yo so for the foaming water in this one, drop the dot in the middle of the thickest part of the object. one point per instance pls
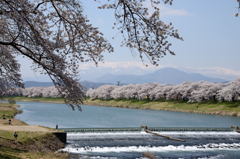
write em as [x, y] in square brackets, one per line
[75, 135]
[136, 144]
[169, 148]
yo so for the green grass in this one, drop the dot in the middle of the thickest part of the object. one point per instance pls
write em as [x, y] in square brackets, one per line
[35, 99]
[22, 136]
[221, 108]
[15, 153]
[31, 145]
[8, 153]
[9, 110]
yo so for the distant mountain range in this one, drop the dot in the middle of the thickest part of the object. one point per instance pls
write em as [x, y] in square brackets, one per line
[164, 76]
[86, 84]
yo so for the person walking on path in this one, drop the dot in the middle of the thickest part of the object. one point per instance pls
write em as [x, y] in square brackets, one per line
[9, 122]
[15, 135]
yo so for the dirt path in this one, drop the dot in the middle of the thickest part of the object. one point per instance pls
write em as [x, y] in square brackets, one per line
[28, 128]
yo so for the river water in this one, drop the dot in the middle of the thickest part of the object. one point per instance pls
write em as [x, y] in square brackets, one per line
[130, 145]
[49, 114]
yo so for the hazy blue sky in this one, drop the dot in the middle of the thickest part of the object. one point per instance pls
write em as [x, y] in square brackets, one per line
[211, 40]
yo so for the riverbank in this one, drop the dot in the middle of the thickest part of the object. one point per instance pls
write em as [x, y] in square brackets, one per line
[35, 99]
[212, 108]
[31, 142]
[224, 108]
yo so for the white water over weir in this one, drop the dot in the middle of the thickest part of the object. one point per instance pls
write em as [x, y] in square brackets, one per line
[129, 129]
[132, 143]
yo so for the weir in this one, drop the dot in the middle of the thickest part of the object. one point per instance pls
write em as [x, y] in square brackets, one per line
[132, 129]
[176, 134]
[162, 142]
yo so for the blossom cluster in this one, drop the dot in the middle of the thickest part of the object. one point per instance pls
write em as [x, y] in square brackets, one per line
[188, 91]
[34, 92]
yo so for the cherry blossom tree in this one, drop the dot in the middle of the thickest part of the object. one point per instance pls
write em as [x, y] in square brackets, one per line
[188, 91]
[202, 91]
[231, 92]
[103, 92]
[125, 92]
[57, 37]
[144, 91]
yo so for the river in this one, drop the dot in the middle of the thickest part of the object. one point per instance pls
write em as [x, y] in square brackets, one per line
[49, 114]
[128, 145]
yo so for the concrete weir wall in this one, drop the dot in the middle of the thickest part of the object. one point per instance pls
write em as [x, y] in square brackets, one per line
[62, 136]
[129, 129]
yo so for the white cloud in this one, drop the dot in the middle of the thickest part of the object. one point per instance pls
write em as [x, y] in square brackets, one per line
[91, 72]
[166, 11]
[220, 72]
[224, 71]
[133, 67]
[118, 65]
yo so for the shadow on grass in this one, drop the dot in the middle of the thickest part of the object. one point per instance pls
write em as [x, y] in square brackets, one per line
[6, 151]
[234, 105]
[5, 156]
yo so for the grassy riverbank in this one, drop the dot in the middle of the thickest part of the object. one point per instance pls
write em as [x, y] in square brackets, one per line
[32, 144]
[223, 108]
[34, 99]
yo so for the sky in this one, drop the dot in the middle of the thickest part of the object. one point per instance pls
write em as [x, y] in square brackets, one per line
[211, 43]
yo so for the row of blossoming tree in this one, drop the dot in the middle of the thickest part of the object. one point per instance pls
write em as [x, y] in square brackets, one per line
[34, 92]
[189, 91]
